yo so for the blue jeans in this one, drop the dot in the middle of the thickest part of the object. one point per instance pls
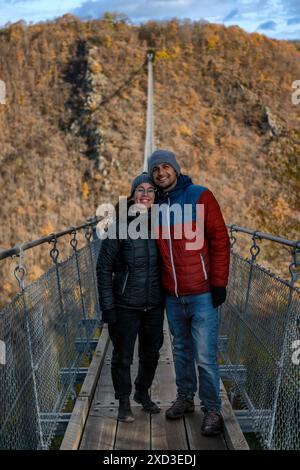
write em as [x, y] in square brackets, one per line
[194, 324]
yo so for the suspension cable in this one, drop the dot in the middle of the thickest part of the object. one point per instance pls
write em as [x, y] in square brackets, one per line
[149, 142]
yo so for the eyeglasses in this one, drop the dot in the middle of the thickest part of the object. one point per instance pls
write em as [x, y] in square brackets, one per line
[143, 191]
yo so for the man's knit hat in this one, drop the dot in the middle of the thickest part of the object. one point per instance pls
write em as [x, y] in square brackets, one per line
[163, 156]
[140, 179]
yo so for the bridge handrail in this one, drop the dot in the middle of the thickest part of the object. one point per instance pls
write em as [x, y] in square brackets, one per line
[264, 236]
[15, 250]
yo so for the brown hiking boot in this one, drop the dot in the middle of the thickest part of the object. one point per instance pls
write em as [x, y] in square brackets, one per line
[212, 423]
[181, 406]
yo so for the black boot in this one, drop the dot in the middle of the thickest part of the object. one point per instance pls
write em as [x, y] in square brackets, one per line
[124, 413]
[142, 397]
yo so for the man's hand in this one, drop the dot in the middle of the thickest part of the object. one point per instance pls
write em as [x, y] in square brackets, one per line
[109, 316]
[218, 295]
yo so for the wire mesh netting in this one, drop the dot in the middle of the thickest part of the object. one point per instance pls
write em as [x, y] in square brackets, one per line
[260, 319]
[40, 328]
[43, 323]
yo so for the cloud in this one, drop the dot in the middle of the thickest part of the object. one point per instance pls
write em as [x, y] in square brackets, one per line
[292, 21]
[251, 15]
[233, 14]
[158, 9]
[268, 25]
[136, 10]
[34, 10]
[291, 7]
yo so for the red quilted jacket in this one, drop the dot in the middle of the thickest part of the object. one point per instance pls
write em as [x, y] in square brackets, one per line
[192, 271]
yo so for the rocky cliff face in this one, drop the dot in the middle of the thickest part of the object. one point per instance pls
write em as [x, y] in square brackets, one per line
[73, 127]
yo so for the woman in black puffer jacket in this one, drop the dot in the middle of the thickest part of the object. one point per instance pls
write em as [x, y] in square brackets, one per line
[132, 303]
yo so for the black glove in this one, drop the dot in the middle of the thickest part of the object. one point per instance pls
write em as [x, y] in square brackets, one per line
[218, 295]
[109, 316]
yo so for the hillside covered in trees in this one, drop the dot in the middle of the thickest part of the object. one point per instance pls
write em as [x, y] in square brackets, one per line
[73, 127]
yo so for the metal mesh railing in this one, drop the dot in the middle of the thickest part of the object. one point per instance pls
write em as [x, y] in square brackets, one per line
[43, 324]
[261, 321]
[40, 327]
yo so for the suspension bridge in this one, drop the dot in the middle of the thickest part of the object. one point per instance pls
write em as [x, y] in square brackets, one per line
[55, 362]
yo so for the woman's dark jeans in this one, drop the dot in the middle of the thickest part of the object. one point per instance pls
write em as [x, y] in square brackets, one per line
[149, 327]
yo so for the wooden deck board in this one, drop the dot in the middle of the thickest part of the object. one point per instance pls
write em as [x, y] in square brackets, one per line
[134, 435]
[233, 435]
[167, 434]
[193, 423]
[102, 431]
[75, 428]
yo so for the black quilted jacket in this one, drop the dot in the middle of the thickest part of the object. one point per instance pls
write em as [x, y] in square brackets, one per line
[128, 274]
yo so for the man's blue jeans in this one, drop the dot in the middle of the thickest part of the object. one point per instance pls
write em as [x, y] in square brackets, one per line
[194, 324]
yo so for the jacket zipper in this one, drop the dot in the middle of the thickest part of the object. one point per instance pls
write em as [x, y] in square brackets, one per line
[171, 252]
[203, 266]
[125, 281]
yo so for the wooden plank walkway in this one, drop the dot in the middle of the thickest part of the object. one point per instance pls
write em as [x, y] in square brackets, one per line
[93, 425]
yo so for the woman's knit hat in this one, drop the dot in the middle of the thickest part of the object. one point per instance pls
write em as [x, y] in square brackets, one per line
[140, 179]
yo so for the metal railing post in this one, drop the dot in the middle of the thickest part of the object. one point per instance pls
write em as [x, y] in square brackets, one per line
[20, 273]
[88, 235]
[73, 244]
[54, 253]
[254, 250]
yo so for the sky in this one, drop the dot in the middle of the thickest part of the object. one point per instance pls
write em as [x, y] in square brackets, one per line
[278, 19]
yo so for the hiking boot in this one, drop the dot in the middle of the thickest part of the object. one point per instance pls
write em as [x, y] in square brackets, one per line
[212, 423]
[124, 413]
[181, 406]
[142, 397]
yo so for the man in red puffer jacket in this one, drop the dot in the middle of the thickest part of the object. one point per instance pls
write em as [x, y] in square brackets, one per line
[194, 274]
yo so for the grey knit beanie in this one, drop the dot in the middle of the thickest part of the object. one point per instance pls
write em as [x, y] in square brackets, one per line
[163, 156]
[140, 179]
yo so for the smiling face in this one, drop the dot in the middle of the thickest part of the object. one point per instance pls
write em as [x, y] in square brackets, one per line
[164, 176]
[144, 194]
